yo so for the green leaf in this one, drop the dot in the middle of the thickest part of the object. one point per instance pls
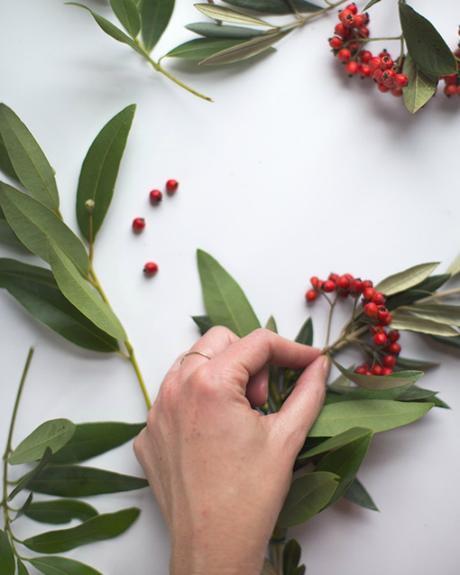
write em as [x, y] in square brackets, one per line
[271, 324]
[275, 6]
[22, 510]
[203, 322]
[375, 414]
[8, 237]
[225, 302]
[425, 45]
[62, 566]
[36, 226]
[28, 161]
[417, 394]
[440, 313]
[52, 435]
[268, 569]
[79, 481]
[449, 341]
[336, 442]
[420, 291]
[92, 439]
[99, 528]
[7, 565]
[5, 163]
[244, 50]
[223, 14]
[58, 511]
[23, 482]
[305, 334]
[454, 268]
[109, 28]
[291, 557]
[156, 15]
[409, 322]
[378, 382]
[128, 15]
[100, 170]
[357, 493]
[416, 364]
[211, 30]
[406, 279]
[370, 4]
[308, 495]
[420, 88]
[201, 48]
[22, 570]
[36, 290]
[345, 462]
[81, 294]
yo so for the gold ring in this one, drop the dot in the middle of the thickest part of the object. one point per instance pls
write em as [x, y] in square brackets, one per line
[194, 353]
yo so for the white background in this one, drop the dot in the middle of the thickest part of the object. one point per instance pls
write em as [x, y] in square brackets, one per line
[293, 171]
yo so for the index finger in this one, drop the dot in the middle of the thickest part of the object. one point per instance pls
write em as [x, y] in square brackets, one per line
[250, 354]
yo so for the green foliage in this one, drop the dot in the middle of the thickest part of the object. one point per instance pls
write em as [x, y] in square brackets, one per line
[51, 435]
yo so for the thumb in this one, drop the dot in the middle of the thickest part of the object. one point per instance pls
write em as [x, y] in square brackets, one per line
[302, 407]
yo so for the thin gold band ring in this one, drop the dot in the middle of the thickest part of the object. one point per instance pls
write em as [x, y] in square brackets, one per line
[194, 353]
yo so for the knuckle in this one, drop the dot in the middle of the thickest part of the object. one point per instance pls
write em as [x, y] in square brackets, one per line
[262, 333]
[138, 445]
[201, 382]
[221, 331]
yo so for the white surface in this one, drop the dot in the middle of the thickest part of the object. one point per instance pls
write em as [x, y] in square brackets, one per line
[293, 171]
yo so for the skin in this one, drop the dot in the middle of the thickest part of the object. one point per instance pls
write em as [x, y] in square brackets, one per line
[219, 469]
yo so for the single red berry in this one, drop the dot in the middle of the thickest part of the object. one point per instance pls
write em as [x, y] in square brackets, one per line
[386, 62]
[394, 348]
[358, 21]
[376, 369]
[356, 286]
[389, 360]
[333, 277]
[335, 42]
[311, 295]
[171, 186]
[367, 283]
[401, 80]
[352, 68]
[450, 90]
[382, 314]
[343, 282]
[398, 92]
[329, 286]
[150, 268]
[451, 79]
[352, 7]
[366, 18]
[316, 282]
[364, 32]
[138, 225]
[378, 298]
[376, 329]
[365, 56]
[377, 75]
[387, 371]
[380, 338]
[371, 310]
[393, 335]
[362, 369]
[368, 293]
[374, 63]
[344, 55]
[340, 30]
[347, 18]
[155, 196]
[354, 47]
[388, 78]
[383, 88]
[386, 320]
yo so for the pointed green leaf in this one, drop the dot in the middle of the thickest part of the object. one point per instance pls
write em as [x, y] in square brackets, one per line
[415, 364]
[271, 324]
[223, 14]
[336, 442]
[79, 481]
[7, 565]
[454, 267]
[370, 4]
[5, 163]
[425, 45]
[8, 237]
[203, 322]
[244, 50]
[440, 313]
[201, 48]
[420, 88]
[308, 495]
[35, 225]
[22, 570]
[92, 439]
[406, 279]
[224, 300]
[305, 334]
[23, 482]
[22, 510]
[291, 558]
[357, 493]
[36, 290]
[109, 28]
[275, 6]
[62, 566]
[418, 394]
[375, 414]
[156, 15]
[27, 160]
[81, 294]
[58, 511]
[52, 435]
[99, 528]
[100, 170]
[449, 341]
[406, 321]
[127, 13]
[374, 382]
[211, 30]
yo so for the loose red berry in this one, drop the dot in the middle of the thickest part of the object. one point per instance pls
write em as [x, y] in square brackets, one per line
[171, 186]
[358, 21]
[138, 225]
[362, 370]
[343, 282]
[387, 371]
[150, 268]
[352, 68]
[365, 56]
[356, 286]
[363, 31]
[380, 338]
[401, 80]
[394, 348]
[376, 369]
[389, 360]
[374, 63]
[315, 282]
[333, 277]
[397, 92]
[450, 90]
[335, 42]
[378, 298]
[354, 46]
[352, 7]
[383, 313]
[367, 283]
[329, 286]
[311, 295]
[340, 30]
[383, 88]
[388, 78]
[386, 62]
[451, 79]
[371, 310]
[155, 196]
[393, 335]
[346, 17]
[368, 293]
[344, 55]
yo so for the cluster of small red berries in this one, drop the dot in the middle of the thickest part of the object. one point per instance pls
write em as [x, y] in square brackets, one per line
[351, 33]
[452, 81]
[384, 341]
[138, 224]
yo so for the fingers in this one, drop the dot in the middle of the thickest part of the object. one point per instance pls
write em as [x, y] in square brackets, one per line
[302, 407]
[257, 388]
[249, 355]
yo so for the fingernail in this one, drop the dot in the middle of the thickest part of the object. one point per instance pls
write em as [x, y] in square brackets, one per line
[325, 365]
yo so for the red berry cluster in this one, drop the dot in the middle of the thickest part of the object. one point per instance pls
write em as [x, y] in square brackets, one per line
[452, 81]
[350, 35]
[138, 224]
[384, 342]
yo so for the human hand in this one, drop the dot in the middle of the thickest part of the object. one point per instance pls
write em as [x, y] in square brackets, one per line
[220, 470]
